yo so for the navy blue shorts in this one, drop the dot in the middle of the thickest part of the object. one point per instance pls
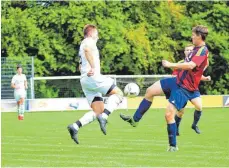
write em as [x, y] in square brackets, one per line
[177, 95]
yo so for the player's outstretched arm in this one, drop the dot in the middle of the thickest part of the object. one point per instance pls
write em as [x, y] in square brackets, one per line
[185, 65]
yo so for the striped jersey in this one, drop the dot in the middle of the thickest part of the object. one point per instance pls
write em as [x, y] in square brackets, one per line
[190, 79]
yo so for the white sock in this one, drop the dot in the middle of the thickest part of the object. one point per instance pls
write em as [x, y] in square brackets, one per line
[20, 109]
[112, 104]
[75, 126]
[104, 115]
[87, 118]
[23, 108]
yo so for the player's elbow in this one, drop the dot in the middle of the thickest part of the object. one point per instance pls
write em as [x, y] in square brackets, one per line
[191, 66]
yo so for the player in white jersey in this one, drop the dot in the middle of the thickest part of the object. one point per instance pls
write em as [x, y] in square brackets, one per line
[19, 83]
[94, 85]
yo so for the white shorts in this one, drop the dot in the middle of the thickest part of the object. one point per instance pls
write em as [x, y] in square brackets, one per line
[19, 94]
[95, 86]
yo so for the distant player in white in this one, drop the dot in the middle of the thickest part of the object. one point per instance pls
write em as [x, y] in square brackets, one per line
[94, 85]
[19, 83]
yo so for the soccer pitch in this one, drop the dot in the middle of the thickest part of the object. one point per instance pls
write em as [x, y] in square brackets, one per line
[42, 140]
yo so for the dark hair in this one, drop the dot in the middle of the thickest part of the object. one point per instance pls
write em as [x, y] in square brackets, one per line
[201, 30]
[88, 28]
[19, 66]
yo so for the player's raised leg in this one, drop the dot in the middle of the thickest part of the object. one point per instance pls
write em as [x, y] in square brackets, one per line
[97, 106]
[153, 90]
[197, 102]
[178, 118]
[113, 101]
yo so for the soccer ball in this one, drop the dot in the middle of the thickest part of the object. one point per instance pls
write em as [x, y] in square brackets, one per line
[131, 90]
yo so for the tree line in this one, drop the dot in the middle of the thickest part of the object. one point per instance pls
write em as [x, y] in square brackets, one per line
[134, 35]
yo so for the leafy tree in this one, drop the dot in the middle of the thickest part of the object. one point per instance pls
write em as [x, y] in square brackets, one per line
[134, 36]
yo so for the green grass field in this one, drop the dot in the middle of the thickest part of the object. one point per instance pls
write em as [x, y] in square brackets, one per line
[43, 140]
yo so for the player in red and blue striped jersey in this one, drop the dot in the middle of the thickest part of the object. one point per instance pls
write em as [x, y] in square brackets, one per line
[198, 106]
[181, 89]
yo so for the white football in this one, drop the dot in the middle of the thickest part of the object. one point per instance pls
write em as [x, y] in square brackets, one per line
[131, 90]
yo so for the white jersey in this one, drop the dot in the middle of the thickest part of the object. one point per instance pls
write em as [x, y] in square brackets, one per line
[85, 65]
[19, 82]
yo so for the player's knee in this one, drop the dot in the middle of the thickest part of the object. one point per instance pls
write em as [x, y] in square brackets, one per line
[117, 91]
[169, 116]
[97, 112]
[20, 102]
[149, 93]
[98, 107]
[154, 90]
[180, 114]
[120, 92]
[198, 108]
[170, 112]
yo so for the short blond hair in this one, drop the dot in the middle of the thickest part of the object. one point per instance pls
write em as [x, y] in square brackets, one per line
[88, 28]
[189, 45]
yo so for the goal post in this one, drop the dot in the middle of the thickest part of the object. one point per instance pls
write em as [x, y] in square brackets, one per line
[69, 86]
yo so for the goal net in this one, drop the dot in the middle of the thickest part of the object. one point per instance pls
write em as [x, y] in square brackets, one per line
[8, 70]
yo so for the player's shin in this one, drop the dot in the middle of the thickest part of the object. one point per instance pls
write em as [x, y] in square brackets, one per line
[86, 119]
[178, 117]
[143, 107]
[113, 102]
[23, 108]
[197, 115]
[20, 110]
[172, 128]
[178, 120]
[171, 124]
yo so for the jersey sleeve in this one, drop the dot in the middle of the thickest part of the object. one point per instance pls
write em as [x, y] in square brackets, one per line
[175, 72]
[200, 56]
[89, 43]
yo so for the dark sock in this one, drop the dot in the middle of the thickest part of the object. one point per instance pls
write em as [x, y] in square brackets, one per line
[172, 128]
[78, 123]
[178, 120]
[143, 107]
[107, 112]
[197, 115]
